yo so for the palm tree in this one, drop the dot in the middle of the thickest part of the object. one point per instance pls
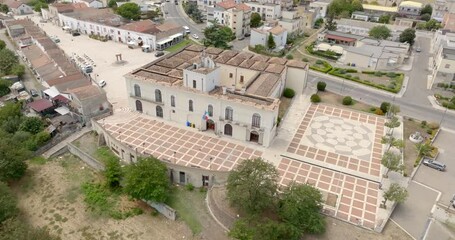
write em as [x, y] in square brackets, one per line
[424, 149]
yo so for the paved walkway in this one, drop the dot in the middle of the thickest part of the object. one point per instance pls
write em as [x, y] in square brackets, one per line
[63, 143]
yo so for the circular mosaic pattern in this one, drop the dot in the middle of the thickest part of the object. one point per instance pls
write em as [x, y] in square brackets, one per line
[339, 135]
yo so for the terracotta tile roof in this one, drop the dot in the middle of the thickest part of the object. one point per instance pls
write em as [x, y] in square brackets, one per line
[13, 4]
[242, 7]
[86, 92]
[296, 64]
[277, 30]
[277, 60]
[228, 4]
[263, 84]
[40, 105]
[145, 26]
[274, 68]
[60, 98]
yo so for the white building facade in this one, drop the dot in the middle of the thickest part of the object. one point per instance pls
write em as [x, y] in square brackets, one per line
[321, 7]
[233, 15]
[268, 11]
[443, 61]
[260, 36]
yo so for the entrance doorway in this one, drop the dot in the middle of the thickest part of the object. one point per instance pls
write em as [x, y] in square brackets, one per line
[210, 125]
[138, 106]
[182, 177]
[254, 136]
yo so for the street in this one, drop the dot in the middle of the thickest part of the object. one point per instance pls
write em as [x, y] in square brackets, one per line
[175, 14]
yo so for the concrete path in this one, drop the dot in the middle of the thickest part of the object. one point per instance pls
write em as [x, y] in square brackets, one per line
[63, 143]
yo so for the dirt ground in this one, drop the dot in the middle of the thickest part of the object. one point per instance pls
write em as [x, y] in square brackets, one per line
[50, 196]
[335, 99]
[410, 150]
[337, 229]
[285, 103]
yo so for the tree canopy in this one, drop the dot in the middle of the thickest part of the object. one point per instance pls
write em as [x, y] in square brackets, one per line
[147, 179]
[392, 162]
[271, 42]
[395, 193]
[380, 32]
[193, 11]
[256, 20]
[344, 8]
[430, 25]
[427, 9]
[129, 10]
[330, 24]
[408, 35]
[218, 36]
[2, 44]
[7, 203]
[252, 185]
[384, 19]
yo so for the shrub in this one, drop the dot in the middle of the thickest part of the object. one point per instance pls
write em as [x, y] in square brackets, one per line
[305, 60]
[321, 86]
[378, 74]
[315, 98]
[350, 70]
[288, 93]
[341, 71]
[319, 62]
[347, 100]
[433, 125]
[423, 124]
[391, 74]
[384, 106]
[378, 112]
[290, 57]
[189, 187]
[429, 131]
[372, 109]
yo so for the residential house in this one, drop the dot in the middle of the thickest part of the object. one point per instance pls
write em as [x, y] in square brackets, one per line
[260, 36]
[443, 60]
[320, 7]
[42, 106]
[52, 13]
[234, 15]
[362, 28]
[18, 7]
[308, 18]
[448, 22]
[89, 101]
[228, 93]
[268, 11]
[405, 22]
[335, 37]
[292, 22]
[379, 9]
[410, 8]
[441, 7]
[285, 4]
[65, 83]
[376, 54]
[91, 3]
[366, 16]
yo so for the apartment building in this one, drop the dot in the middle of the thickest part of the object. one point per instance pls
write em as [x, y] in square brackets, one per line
[236, 16]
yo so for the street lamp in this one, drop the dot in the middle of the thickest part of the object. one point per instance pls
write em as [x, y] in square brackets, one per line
[443, 116]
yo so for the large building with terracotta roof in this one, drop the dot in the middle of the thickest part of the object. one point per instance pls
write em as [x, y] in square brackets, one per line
[234, 15]
[232, 94]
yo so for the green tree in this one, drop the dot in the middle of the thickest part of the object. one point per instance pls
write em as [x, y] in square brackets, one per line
[252, 185]
[4, 8]
[392, 162]
[256, 20]
[385, 107]
[380, 32]
[147, 179]
[408, 35]
[41, 138]
[393, 123]
[300, 206]
[11, 125]
[129, 10]
[242, 230]
[427, 9]
[4, 87]
[384, 19]
[321, 86]
[432, 24]
[113, 172]
[392, 142]
[2, 44]
[12, 158]
[425, 17]
[32, 125]
[112, 4]
[7, 203]
[315, 98]
[7, 61]
[395, 193]
[330, 24]
[271, 42]
[347, 101]
[18, 69]
[318, 23]
[424, 149]
[10, 110]
[218, 36]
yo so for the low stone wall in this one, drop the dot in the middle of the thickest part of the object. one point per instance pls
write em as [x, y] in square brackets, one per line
[95, 164]
[444, 214]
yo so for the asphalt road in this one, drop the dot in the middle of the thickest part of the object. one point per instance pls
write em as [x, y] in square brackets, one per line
[414, 103]
[175, 14]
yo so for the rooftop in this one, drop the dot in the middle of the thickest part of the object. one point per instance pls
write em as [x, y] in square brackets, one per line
[103, 16]
[228, 4]
[411, 4]
[367, 7]
[40, 105]
[86, 92]
[274, 30]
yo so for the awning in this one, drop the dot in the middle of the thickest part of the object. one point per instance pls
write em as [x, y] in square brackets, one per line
[169, 39]
[66, 28]
[131, 43]
[145, 46]
[62, 110]
[51, 92]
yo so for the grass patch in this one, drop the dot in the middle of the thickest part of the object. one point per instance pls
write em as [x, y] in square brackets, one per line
[38, 160]
[180, 45]
[185, 209]
[104, 154]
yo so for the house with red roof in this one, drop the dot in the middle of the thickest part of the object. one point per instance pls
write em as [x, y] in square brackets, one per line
[232, 14]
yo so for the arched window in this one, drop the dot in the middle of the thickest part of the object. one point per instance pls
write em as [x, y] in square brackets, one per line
[158, 95]
[159, 111]
[256, 120]
[229, 113]
[137, 90]
[210, 110]
[138, 106]
[190, 105]
[172, 101]
[228, 129]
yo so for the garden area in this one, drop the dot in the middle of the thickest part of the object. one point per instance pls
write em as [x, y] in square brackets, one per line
[180, 45]
[447, 102]
[328, 54]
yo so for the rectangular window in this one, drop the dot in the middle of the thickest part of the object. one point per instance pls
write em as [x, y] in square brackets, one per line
[231, 75]
[194, 83]
[241, 79]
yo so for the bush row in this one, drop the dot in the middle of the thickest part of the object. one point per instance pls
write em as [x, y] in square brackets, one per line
[394, 87]
[321, 53]
[321, 66]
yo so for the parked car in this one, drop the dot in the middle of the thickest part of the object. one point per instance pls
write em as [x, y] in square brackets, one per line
[75, 33]
[434, 164]
[418, 49]
[159, 54]
[34, 93]
[241, 38]
[102, 83]
[55, 39]
[195, 36]
[247, 34]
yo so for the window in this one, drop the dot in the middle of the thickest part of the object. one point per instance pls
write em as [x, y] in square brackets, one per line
[256, 120]
[190, 105]
[231, 75]
[159, 111]
[228, 130]
[137, 90]
[194, 83]
[172, 101]
[229, 113]
[210, 110]
[157, 95]
[138, 106]
[241, 79]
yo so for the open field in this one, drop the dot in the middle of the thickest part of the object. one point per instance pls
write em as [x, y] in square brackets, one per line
[50, 196]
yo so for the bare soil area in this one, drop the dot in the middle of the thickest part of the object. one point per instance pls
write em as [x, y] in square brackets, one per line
[337, 229]
[50, 196]
[410, 151]
[335, 99]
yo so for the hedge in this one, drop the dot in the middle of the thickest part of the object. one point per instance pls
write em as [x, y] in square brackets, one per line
[327, 67]
[321, 53]
[394, 88]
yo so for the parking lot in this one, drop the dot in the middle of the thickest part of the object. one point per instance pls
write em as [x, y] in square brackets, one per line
[103, 55]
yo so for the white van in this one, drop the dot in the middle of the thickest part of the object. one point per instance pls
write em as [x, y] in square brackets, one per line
[187, 29]
[102, 83]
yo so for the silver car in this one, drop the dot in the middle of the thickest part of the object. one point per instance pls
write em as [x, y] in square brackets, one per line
[434, 164]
